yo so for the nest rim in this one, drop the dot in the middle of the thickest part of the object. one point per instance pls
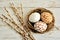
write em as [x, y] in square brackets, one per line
[40, 10]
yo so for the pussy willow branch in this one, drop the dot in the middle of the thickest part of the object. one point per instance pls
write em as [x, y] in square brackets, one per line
[27, 29]
[21, 21]
[22, 30]
[16, 13]
[5, 19]
[21, 11]
[8, 14]
[15, 27]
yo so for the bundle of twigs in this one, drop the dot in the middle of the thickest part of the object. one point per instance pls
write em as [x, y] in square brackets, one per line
[21, 29]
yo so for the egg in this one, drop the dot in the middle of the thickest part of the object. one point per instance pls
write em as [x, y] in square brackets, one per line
[34, 17]
[40, 26]
[46, 17]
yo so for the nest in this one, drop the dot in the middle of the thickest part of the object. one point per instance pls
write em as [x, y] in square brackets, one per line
[40, 10]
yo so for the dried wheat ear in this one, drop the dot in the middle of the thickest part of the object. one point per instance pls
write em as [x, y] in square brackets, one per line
[46, 16]
[22, 29]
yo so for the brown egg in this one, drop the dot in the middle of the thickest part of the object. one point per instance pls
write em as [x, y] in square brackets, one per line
[40, 26]
[46, 17]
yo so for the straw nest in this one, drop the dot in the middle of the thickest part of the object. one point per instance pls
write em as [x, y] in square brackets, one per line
[40, 10]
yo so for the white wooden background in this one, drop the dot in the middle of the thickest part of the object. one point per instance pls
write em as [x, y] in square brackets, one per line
[6, 33]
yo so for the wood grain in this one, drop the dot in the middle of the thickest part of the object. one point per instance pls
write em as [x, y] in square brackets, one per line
[6, 33]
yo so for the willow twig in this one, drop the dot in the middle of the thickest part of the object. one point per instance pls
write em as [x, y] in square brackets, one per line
[16, 13]
[26, 27]
[8, 14]
[22, 23]
[5, 19]
[21, 11]
[25, 34]
[25, 38]
[16, 28]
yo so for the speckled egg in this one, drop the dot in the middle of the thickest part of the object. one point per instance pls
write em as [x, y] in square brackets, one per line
[34, 17]
[40, 26]
[46, 17]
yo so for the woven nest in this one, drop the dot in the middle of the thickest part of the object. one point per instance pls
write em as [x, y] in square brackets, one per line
[40, 10]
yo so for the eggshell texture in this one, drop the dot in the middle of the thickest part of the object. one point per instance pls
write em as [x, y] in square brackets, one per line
[40, 26]
[46, 17]
[34, 17]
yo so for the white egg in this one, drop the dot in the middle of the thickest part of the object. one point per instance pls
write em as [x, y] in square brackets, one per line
[34, 17]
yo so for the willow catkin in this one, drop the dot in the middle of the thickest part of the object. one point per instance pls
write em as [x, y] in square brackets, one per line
[30, 36]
